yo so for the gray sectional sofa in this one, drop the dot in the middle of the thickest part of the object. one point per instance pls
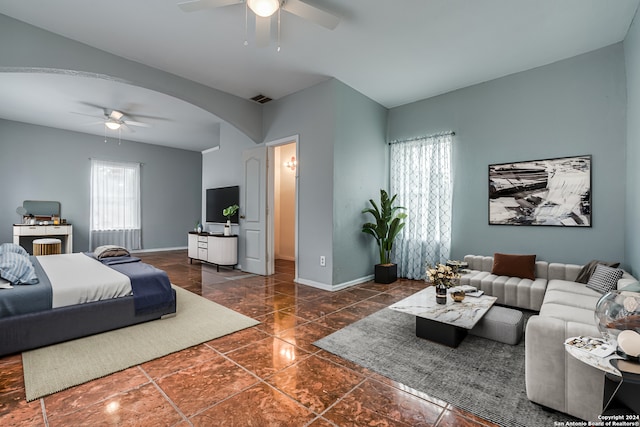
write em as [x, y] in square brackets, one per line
[566, 308]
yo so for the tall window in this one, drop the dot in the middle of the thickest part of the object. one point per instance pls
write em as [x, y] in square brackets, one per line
[421, 177]
[115, 204]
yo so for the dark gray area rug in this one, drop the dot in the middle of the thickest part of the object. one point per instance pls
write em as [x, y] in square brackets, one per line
[481, 376]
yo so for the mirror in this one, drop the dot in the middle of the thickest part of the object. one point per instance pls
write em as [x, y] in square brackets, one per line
[41, 208]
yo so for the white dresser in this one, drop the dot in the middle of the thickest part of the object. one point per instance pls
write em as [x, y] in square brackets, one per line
[213, 248]
[22, 232]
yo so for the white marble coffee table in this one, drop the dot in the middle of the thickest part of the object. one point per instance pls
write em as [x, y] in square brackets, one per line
[448, 323]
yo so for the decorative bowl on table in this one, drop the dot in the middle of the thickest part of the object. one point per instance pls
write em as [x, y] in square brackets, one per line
[457, 296]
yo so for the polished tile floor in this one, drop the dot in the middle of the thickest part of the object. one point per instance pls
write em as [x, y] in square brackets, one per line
[268, 375]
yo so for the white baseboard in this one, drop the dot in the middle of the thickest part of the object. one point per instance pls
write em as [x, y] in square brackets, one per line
[337, 287]
[354, 282]
[159, 249]
[318, 285]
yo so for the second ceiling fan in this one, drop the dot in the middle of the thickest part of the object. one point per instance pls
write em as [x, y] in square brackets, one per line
[265, 9]
[114, 119]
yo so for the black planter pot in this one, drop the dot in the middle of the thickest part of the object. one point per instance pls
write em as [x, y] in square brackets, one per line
[386, 273]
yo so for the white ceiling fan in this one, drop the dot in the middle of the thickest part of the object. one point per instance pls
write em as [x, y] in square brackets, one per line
[114, 120]
[265, 9]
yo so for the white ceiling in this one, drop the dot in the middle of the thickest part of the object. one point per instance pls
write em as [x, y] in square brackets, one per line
[394, 52]
[73, 101]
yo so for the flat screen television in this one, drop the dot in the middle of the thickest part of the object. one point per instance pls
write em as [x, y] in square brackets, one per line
[220, 198]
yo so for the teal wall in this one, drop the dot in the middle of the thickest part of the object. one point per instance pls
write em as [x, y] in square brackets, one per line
[310, 114]
[341, 157]
[632, 202]
[572, 107]
[42, 163]
[359, 172]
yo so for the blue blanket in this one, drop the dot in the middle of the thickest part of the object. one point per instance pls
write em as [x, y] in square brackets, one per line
[151, 286]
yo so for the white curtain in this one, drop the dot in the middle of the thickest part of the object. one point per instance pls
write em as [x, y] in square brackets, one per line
[421, 177]
[115, 204]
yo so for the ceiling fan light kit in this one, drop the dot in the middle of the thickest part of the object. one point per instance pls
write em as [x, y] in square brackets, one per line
[112, 124]
[263, 8]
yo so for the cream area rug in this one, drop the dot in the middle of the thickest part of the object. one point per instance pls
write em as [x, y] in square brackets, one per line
[57, 367]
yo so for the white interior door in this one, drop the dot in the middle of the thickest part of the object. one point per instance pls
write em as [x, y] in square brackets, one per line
[253, 210]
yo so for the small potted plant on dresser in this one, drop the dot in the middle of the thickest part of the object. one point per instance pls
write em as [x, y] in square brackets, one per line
[228, 212]
[388, 223]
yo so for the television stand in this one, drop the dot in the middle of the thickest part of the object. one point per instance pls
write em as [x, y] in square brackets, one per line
[216, 249]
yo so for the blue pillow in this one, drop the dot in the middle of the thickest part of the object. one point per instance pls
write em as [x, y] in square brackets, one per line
[12, 247]
[17, 269]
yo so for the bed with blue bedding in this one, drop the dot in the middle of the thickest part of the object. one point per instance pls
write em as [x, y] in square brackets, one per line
[76, 295]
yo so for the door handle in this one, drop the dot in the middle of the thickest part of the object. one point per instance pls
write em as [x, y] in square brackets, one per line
[242, 217]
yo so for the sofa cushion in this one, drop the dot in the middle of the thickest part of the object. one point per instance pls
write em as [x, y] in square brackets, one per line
[571, 288]
[569, 314]
[522, 266]
[604, 279]
[572, 300]
[563, 271]
[585, 274]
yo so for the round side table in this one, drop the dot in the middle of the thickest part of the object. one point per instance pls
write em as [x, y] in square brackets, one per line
[621, 381]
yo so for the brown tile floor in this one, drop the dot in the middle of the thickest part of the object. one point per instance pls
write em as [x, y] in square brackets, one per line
[268, 375]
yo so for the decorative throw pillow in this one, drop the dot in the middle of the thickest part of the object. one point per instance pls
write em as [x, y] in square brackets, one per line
[17, 269]
[12, 247]
[604, 279]
[523, 266]
[585, 274]
[110, 251]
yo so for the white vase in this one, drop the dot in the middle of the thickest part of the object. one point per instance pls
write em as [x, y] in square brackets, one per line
[227, 228]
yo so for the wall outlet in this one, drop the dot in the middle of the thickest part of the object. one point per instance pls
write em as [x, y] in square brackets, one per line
[323, 261]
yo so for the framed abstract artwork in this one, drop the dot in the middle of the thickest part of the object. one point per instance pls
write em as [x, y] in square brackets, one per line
[552, 192]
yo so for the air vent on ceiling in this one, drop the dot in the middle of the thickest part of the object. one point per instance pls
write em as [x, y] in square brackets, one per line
[261, 99]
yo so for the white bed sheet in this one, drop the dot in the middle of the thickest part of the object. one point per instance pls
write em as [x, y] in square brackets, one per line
[77, 279]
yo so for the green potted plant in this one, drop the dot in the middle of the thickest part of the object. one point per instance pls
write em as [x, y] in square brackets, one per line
[228, 212]
[387, 225]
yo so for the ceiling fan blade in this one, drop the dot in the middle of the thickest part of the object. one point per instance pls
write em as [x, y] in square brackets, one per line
[101, 122]
[87, 115]
[263, 31]
[195, 5]
[311, 13]
[89, 104]
[124, 125]
[139, 124]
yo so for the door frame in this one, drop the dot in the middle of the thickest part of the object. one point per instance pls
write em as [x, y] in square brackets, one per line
[271, 145]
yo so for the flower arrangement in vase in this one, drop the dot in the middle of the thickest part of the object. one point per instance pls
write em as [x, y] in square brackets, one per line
[442, 277]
